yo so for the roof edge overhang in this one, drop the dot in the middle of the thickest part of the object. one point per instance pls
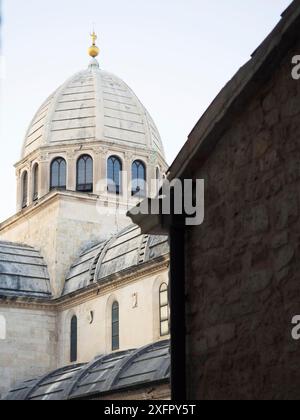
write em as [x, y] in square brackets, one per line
[156, 224]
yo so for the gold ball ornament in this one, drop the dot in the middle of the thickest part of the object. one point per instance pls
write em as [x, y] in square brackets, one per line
[94, 51]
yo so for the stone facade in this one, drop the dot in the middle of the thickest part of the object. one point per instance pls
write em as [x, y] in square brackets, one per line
[29, 348]
[139, 318]
[242, 276]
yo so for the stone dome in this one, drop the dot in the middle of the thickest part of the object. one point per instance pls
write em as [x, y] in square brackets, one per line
[93, 105]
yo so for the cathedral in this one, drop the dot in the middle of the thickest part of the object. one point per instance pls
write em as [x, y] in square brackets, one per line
[84, 307]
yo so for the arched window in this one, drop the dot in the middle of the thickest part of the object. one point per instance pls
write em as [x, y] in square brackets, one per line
[114, 179]
[58, 174]
[2, 328]
[35, 182]
[158, 180]
[25, 190]
[73, 340]
[115, 326]
[85, 174]
[138, 179]
[164, 310]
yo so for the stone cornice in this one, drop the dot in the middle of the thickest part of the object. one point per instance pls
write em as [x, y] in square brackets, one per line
[51, 197]
[92, 145]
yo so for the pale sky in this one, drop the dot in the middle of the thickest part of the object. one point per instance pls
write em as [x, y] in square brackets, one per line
[175, 54]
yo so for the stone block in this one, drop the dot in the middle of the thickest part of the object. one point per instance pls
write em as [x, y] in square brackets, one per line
[259, 281]
[260, 219]
[219, 335]
[286, 211]
[280, 239]
[284, 257]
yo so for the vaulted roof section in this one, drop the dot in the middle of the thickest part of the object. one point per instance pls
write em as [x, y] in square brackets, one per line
[108, 374]
[23, 272]
[126, 251]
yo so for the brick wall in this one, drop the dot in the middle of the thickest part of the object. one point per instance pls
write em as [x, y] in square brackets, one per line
[243, 276]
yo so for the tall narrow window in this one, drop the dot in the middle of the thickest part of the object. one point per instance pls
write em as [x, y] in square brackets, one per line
[85, 174]
[25, 190]
[138, 179]
[115, 326]
[73, 340]
[158, 180]
[114, 181]
[58, 176]
[35, 182]
[164, 310]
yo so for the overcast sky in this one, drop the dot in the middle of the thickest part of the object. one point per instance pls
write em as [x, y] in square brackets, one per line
[175, 54]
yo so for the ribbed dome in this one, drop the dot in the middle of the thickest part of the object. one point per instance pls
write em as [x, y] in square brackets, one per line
[93, 105]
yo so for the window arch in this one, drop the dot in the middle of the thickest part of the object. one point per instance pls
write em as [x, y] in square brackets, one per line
[35, 173]
[114, 178]
[24, 189]
[164, 310]
[2, 327]
[58, 176]
[73, 339]
[138, 179]
[115, 321]
[85, 174]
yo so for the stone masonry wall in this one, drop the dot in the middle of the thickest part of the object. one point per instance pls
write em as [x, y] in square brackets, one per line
[29, 348]
[243, 278]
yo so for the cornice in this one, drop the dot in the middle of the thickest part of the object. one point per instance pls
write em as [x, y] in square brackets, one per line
[105, 147]
[49, 198]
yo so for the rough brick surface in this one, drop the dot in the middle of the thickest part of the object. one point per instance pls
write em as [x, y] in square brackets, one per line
[244, 262]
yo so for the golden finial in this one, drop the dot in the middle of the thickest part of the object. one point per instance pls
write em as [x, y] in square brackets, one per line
[94, 51]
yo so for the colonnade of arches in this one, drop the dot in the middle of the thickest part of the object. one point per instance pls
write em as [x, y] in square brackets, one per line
[85, 177]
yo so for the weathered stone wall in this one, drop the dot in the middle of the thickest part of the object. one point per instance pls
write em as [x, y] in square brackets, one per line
[244, 261]
[29, 347]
